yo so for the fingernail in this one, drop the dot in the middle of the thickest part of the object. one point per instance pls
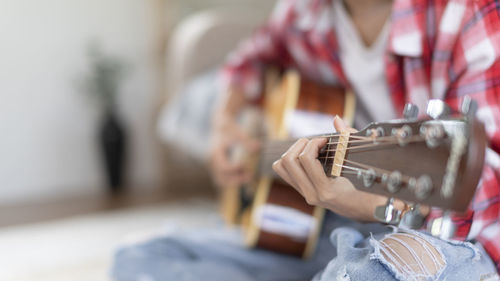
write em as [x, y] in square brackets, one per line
[339, 123]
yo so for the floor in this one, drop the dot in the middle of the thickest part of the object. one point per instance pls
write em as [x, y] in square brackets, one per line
[80, 248]
[59, 208]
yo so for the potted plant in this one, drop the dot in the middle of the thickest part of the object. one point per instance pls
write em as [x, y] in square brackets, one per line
[103, 83]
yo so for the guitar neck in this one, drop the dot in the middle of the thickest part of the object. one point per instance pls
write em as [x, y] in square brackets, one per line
[273, 149]
[424, 161]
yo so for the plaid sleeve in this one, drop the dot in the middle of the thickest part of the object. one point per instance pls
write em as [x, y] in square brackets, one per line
[243, 67]
[475, 71]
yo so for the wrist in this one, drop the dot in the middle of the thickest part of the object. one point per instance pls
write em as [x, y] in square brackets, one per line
[231, 102]
[399, 213]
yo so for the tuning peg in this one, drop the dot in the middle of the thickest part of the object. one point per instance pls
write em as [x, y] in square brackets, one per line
[442, 227]
[410, 111]
[469, 107]
[448, 228]
[388, 213]
[413, 218]
[438, 109]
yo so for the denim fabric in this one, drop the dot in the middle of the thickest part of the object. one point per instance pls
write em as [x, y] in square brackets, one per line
[219, 255]
[359, 258]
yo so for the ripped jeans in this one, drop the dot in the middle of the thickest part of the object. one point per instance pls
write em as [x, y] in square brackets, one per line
[346, 251]
[405, 255]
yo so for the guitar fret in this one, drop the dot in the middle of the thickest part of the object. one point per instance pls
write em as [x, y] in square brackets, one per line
[327, 148]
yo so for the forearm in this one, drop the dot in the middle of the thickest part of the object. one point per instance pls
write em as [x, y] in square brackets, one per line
[363, 206]
[229, 105]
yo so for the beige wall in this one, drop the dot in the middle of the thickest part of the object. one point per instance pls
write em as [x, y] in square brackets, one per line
[177, 9]
[47, 144]
[48, 126]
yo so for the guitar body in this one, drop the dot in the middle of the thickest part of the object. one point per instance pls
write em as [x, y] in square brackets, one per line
[384, 158]
[279, 219]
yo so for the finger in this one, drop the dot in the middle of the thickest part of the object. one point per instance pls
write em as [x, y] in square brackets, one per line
[230, 168]
[224, 172]
[222, 161]
[241, 136]
[246, 176]
[280, 170]
[309, 161]
[340, 125]
[229, 179]
[294, 168]
[252, 144]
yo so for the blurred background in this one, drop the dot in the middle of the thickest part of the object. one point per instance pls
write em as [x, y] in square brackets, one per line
[104, 120]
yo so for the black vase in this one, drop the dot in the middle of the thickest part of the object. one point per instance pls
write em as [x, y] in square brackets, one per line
[112, 141]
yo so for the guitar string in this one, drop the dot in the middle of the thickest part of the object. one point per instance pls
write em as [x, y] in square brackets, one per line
[349, 173]
[358, 138]
[404, 178]
[355, 149]
[368, 139]
[288, 143]
[335, 135]
[269, 149]
[364, 168]
[326, 158]
[280, 148]
[278, 142]
[360, 148]
[410, 140]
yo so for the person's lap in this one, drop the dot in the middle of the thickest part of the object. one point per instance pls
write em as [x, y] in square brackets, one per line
[211, 255]
[349, 253]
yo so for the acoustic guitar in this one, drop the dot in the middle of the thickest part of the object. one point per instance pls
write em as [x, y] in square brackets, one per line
[259, 206]
[435, 160]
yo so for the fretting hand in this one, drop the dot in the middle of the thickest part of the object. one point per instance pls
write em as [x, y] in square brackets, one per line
[300, 168]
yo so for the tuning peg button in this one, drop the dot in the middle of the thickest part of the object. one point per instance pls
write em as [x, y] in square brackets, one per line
[410, 111]
[369, 176]
[413, 218]
[442, 227]
[395, 182]
[438, 109]
[469, 107]
[388, 213]
[423, 187]
[434, 134]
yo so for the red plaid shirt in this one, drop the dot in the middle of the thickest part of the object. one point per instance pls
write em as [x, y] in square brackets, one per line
[437, 49]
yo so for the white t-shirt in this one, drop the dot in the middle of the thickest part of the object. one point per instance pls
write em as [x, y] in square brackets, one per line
[364, 68]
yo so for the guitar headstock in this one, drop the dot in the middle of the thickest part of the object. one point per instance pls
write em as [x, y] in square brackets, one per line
[436, 160]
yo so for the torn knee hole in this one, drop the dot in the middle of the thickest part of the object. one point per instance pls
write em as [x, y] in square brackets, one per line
[411, 255]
